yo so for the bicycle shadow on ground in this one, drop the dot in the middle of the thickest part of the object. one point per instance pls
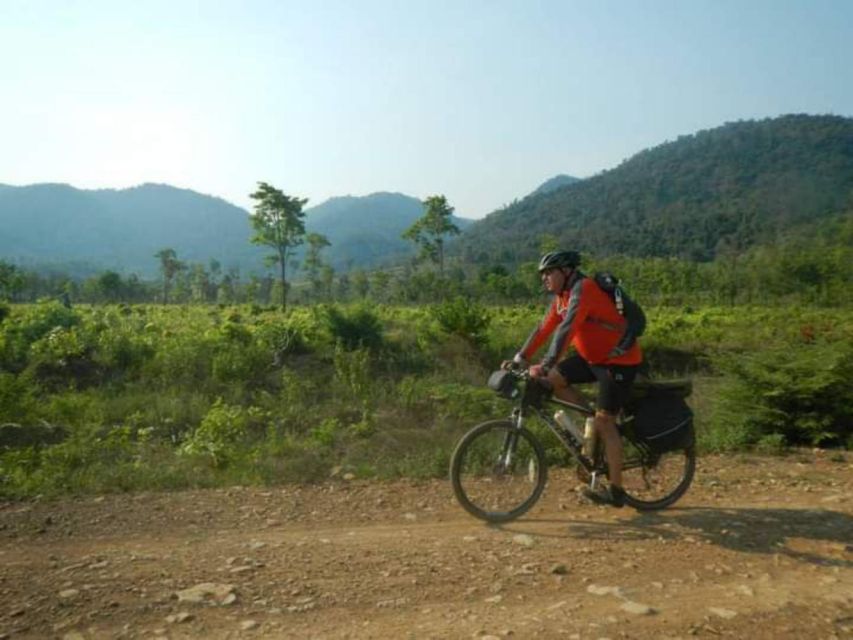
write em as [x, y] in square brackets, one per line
[745, 530]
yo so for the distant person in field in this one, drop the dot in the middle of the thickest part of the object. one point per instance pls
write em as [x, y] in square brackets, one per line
[584, 316]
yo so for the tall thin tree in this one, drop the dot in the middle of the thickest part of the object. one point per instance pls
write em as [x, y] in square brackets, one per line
[429, 230]
[170, 266]
[313, 262]
[279, 223]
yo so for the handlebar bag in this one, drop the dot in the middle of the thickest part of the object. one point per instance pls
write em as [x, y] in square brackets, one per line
[504, 383]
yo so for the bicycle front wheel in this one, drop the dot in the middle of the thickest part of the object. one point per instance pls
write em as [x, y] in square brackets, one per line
[498, 471]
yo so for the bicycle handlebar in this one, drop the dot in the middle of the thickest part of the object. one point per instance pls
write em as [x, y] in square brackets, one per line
[522, 373]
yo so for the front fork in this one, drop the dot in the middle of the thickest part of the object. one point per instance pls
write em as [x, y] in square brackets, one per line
[510, 440]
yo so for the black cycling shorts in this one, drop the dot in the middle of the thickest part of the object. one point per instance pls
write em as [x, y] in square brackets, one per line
[614, 381]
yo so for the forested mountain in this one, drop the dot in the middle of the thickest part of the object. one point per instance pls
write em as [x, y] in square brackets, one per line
[558, 181]
[365, 231]
[83, 231]
[726, 188]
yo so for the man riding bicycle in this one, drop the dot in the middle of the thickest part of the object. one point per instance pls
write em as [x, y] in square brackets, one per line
[585, 317]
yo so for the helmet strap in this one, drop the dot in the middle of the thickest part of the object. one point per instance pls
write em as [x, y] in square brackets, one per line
[571, 278]
[567, 272]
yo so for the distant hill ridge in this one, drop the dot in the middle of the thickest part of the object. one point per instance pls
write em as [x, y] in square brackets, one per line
[84, 231]
[557, 182]
[729, 187]
[722, 189]
[121, 229]
[365, 231]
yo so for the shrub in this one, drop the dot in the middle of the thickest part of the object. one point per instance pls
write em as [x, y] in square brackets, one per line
[801, 393]
[236, 333]
[181, 360]
[30, 326]
[222, 432]
[63, 356]
[17, 398]
[772, 444]
[282, 338]
[123, 351]
[39, 319]
[354, 329]
[240, 364]
[352, 370]
[326, 432]
[463, 318]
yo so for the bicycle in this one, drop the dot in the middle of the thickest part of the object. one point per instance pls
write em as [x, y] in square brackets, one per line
[498, 469]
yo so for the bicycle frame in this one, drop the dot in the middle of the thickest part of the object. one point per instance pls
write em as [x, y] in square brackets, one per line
[543, 407]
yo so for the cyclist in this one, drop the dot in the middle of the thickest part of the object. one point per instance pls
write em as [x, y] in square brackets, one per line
[584, 316]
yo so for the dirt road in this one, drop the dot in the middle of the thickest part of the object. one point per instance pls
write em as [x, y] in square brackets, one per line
[759, 548]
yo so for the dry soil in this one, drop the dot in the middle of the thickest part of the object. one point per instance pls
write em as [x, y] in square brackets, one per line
[758, 548]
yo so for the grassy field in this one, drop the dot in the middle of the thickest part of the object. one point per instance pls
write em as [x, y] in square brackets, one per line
[146, 397]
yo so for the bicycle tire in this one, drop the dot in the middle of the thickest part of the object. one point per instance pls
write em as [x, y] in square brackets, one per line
[481, 484]
[673, 470]
[659, 479]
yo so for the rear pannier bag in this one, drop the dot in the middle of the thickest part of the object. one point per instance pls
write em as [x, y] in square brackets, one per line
[663, 421]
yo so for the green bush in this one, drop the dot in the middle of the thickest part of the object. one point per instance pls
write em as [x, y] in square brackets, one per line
[238, 364]
[18, 399]
[182, 360]
[283, 337]
[800, 392]
[463, 318]
[326, 432]
[32, 324]
[772, 444]
[224, 432]
[355, 328]
[41, 318]
[353, 372]
[123, 351]
[63, 356]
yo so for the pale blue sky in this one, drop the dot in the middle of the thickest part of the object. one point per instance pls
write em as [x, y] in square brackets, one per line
[481, 101]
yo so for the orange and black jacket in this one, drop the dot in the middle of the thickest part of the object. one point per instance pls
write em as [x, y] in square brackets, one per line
[585, 317]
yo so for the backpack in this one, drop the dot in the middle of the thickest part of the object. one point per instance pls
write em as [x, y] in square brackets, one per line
[635, 317]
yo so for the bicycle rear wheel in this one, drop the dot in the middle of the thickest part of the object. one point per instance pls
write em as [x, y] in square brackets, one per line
[656, 480]
[498, 471]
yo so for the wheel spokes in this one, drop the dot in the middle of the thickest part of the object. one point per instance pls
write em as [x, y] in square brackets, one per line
[509, 481]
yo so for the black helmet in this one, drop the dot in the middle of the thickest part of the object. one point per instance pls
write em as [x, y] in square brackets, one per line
[559, 260]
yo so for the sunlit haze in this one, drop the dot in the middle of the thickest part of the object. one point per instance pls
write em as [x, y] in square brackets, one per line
[480, 101]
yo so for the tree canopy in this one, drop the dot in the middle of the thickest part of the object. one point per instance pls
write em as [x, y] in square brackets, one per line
[170, 266]
[279, 223]
[738, 185]
[429, 230]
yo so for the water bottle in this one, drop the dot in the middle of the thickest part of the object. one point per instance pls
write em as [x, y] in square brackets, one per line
[589, 436]
[565, 421]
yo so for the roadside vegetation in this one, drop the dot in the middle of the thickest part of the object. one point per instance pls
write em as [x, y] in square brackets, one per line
[127, 397]
[378, 374]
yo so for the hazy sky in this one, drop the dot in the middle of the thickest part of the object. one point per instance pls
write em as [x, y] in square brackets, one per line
[478, 100]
